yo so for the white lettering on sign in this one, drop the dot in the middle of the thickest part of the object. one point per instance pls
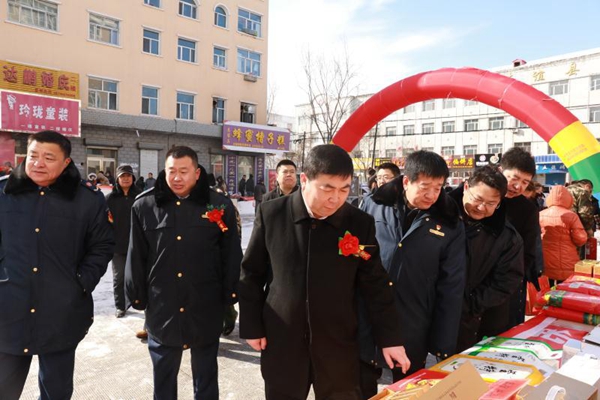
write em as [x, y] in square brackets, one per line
[24, 109]
[50, 112]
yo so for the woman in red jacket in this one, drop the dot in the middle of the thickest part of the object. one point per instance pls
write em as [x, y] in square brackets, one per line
[562, 232]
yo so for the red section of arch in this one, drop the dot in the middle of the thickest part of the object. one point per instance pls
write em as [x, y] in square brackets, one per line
[542, 113]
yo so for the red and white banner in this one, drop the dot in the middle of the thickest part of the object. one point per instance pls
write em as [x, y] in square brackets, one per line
[22, 112]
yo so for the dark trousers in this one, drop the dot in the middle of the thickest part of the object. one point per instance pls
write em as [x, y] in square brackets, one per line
[369, 376]
[55, 377]
[166, 361]
[118, 267]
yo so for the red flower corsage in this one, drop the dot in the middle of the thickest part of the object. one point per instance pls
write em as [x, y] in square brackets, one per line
[215, 214]
[349, 246]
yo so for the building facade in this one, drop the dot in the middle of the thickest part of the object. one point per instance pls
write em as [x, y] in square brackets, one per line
[467, 132]
[148, 75]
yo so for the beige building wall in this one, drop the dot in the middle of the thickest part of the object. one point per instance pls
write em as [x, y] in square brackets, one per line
[70, 49]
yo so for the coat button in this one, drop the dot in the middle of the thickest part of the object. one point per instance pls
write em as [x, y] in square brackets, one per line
[185, 347]
[178, 203]
[399, 244]
[233, 295]
[25, 350]
[32, 310]
[313, 226]
[136, 301]
[179, 275]
[37, 230]
[35, 269]
[391, 283]
[181, 309]
[178, 237]
[438, 354]
[42, 193]
[427, 219]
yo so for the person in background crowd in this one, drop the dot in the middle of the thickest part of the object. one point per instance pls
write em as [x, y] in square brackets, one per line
[185, 279]
[111, 179]
[562, 233]
[259, 193]
[534, 193]
[55, 245]
[386, 172]
[250, 186]
[91, 181]
[298, 286]
[140, 183]
[221, 186]
[582, 204]
[494, 254]
[150, 181]
[6, 169]
[371, 180]
[518, 167]
[286, 180]
[422, 242]
[102, 179]
[119, 203]
[242, 186]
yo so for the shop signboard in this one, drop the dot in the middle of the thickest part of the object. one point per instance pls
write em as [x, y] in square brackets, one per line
[488, 159]
[240, 136]
[44, 81]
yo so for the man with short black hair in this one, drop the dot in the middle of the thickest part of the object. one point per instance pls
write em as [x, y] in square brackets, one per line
[494, 255]
[182, 269]
[386, 172]
[55, 245]
[286, 180]
[422, 243]
[309, 254]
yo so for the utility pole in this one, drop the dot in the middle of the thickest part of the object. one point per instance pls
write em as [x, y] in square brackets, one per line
[374, 146]
[303, 149]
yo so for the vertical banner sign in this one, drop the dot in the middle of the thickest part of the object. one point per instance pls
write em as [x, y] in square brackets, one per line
[232, 173]
[260, 168]
[272, 180]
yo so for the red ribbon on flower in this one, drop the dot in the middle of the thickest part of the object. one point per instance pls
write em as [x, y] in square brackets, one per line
[215, 214]
[350, 246]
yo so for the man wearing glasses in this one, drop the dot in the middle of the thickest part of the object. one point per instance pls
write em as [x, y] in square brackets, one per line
[386, 172]
[494, 255]
[422, 243]
[286, 180]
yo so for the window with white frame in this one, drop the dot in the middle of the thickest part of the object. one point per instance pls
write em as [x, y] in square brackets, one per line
[470, 103]
[104, 29]
[151, 44]
[218, 111]
[471, 125]
[185, 105]
[427, 128]
[427, 149]
[390, 131]
[153, 3]
[102, 93]
[188, 8]
[390, 153]
[521, 124]
[408, 129]
[247, 113]
[249, 22]
[496, 123]
[186, 50]
[219, 58]
[248, 62]
[448, 126]
[149, 100]
[429, 105]
[595, 82]
[594, 114]
[495, 148]
[558, 87]
[524, 145]
[220, 17]
[409, 109]
[469, 149]
[38, 13]
[449, 103]
[447, 150]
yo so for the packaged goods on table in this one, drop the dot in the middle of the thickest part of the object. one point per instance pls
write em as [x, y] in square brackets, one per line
[572, 315]
[572, 301]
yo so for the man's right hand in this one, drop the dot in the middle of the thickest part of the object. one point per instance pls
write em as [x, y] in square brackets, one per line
[258, 344]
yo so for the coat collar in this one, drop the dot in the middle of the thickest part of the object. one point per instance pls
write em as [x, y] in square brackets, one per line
[134, 190]
[392, 194]
[300, 213]
[199, 194]
[495, 223]
[66, 184]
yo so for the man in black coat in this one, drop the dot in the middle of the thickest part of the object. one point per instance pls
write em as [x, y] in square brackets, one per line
[242, 186]
[494, 254]
[422, 243]
[182, 268]
[286, 180]
[119, 203]
[309, 254]
[55, 244]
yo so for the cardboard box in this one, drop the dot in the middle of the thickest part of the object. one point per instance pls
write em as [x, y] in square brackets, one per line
[575, 390]
[585, 267]
[583, 367]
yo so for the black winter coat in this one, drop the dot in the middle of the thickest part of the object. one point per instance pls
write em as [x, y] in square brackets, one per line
[55, 245]
[119, 207]
[494, 272]
[300, 293]
[427, 265]
[181, 268]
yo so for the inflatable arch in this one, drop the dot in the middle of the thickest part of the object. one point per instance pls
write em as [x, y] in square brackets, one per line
[568, 137]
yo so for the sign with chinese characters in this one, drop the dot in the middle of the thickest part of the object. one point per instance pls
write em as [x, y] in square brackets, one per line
[241, 136]
[260, 169]
[22, 112]
[231, 174]
[461, 162]
[44, 81]
[551, 168]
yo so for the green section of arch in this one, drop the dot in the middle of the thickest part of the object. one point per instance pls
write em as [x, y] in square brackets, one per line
[588, 168]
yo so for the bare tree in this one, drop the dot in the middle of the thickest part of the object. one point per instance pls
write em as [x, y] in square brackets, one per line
[271, 97]
[331, 87]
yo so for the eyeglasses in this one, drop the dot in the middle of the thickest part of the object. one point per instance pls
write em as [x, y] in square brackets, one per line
[479, 202]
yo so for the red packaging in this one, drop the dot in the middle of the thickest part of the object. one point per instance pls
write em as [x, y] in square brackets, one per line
[571, 301]
[572, 315]
[580, 286]
[551, 331]
[420, 377]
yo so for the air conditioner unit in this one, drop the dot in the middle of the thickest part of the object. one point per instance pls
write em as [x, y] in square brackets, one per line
[250, 78]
